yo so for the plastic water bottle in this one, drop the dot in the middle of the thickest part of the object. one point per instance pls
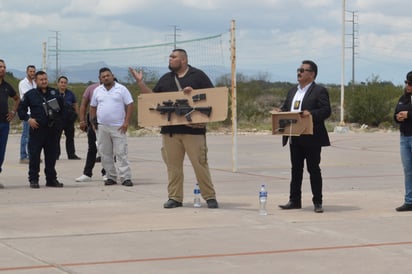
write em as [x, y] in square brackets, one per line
[196, 200]
[263, 196]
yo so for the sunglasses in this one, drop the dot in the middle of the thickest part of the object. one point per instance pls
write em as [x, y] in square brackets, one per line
[302, 70]
[409, 83]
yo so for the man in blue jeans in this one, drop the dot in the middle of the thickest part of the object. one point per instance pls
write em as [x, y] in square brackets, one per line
[403, 116]
[25, 85]
[6, 92]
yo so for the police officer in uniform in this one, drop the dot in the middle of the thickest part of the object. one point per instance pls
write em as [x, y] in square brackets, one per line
[44, 119]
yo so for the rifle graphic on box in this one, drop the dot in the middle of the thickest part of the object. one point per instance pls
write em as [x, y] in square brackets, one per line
[153, 108]
[180, 107]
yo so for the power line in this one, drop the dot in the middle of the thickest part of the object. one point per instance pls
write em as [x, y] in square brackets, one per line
[136, 47]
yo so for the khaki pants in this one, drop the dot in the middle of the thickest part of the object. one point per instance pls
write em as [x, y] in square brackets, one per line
[173, 152]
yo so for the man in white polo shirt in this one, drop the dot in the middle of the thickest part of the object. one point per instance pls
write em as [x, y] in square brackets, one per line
[26, 84]
[112, 107]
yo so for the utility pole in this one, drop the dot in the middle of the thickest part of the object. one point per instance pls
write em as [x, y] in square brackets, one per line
[354, 45]
[44, 57]
[234, 100]
[175, 30]
[55, 44]
[342, 128]
[342, 75]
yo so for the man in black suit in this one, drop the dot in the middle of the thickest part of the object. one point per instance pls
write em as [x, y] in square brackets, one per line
[308, 98]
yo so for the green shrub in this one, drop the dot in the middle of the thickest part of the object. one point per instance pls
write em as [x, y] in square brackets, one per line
[370, 103]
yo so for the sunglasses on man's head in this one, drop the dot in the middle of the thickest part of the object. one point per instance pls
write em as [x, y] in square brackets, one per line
[302, 70]
[409, 83]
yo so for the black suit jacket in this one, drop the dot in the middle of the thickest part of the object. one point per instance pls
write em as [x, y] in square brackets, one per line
[316, 101]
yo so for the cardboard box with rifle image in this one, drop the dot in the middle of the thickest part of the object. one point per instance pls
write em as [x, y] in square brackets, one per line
[291, 124]
[177, 108]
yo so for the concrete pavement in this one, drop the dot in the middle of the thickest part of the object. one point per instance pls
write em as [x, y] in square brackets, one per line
[92, 228]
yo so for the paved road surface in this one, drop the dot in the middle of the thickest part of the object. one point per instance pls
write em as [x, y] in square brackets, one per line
[92, 228]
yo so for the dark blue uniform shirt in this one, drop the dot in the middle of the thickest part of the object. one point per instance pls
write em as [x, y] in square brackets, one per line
[34, 99]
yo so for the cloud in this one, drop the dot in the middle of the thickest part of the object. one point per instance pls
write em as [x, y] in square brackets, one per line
[206, 4]
[316, 3]
[109, 7]
[272, 35]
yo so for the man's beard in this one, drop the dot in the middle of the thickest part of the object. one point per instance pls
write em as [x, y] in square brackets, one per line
[175, 70]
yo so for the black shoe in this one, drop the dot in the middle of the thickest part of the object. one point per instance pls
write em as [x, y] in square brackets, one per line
[109, 182]
[291, 205]
[127, 183]
[318, 208]
[172, 204]
[74, 157]
[404, 207]
[98, 159]
[54, 183]
[212, 203]
[34, 184]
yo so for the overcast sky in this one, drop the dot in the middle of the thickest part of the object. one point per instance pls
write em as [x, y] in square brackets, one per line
[272, 36]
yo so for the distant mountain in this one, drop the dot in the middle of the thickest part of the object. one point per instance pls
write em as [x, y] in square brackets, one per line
[89, 72]
[80, 74]
[17, 73]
